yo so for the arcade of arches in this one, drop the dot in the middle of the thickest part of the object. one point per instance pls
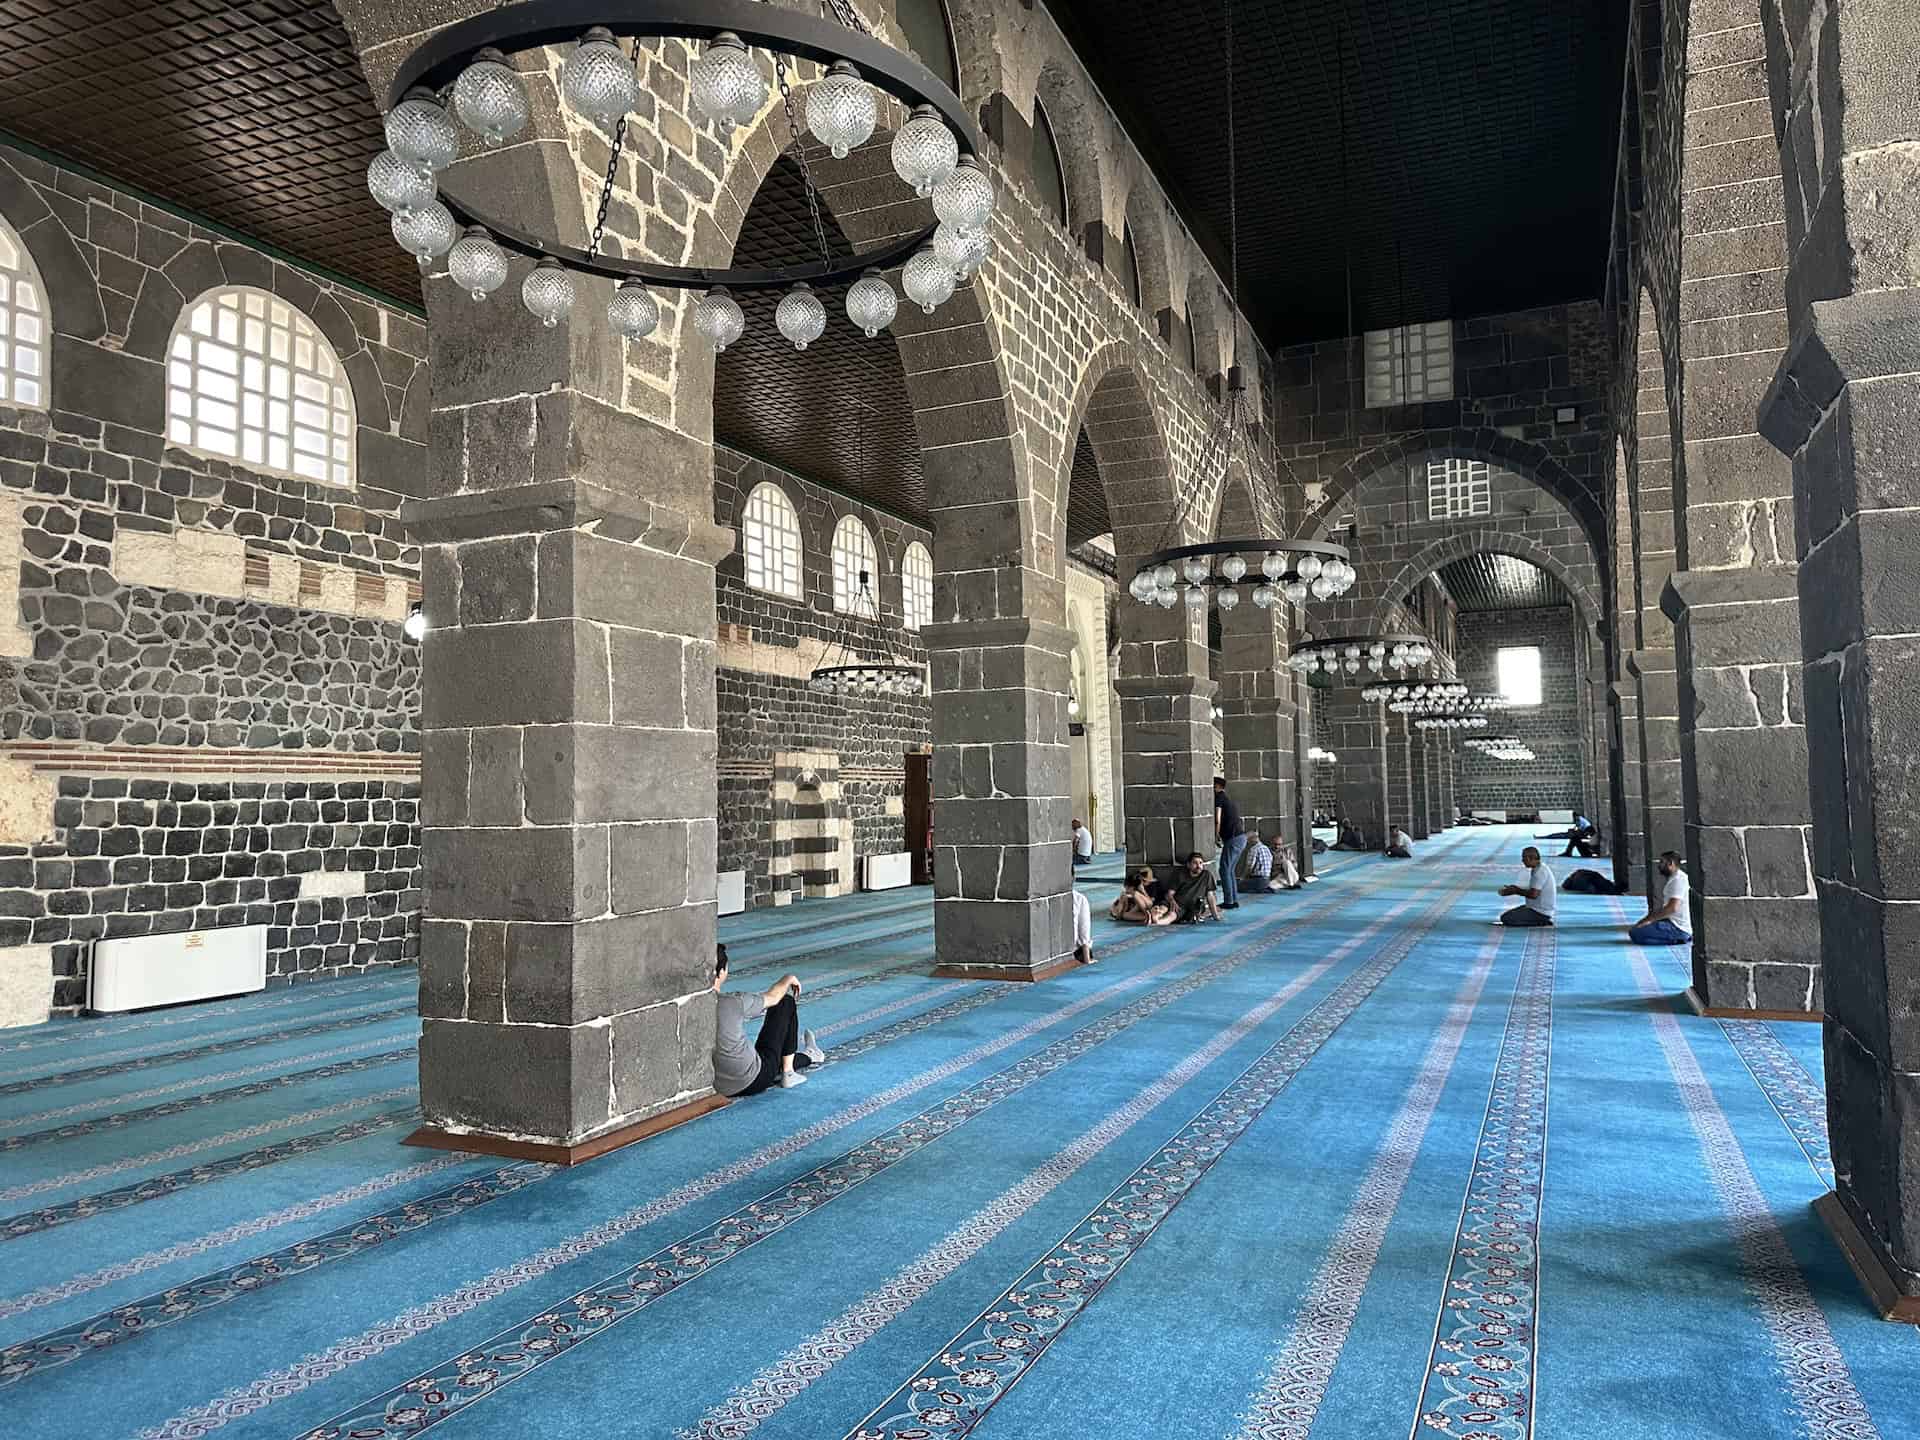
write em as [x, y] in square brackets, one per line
[483, 669]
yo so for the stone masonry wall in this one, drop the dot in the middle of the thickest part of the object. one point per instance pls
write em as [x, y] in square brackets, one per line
[768, 645]
[1551, 729]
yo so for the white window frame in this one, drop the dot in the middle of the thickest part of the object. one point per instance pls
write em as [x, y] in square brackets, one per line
[770, 543]
[916, 586]
[1409, 364]
[252, 379]
[1459, 489]
[1517, 668]
[26, 325]
[854, 551]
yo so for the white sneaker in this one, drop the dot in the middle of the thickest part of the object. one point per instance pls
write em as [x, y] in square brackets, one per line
[793, 1078]
[810, 1048]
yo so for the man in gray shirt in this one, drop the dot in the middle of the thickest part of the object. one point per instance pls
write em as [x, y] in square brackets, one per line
[782, 1050]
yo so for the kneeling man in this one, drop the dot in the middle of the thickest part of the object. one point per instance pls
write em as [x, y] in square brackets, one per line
[782, 1050]
[1540, 895]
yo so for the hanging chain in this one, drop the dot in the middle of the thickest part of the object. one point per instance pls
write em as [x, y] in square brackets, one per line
[800, 154]
[613, 170]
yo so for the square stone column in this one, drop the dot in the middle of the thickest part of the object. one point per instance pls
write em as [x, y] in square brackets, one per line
[1166, 735]
[1303, 769]
[1630, 845]
[1256, 697]
[1359, 738]
[1662, 803]
[568, 845]
[1001, 776]
[1403, 776]
[1743, 761]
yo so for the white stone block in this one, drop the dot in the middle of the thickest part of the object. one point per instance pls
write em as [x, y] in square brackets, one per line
[26, 984]
[317, 883]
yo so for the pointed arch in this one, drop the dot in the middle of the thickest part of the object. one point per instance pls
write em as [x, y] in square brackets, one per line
[1484, 540]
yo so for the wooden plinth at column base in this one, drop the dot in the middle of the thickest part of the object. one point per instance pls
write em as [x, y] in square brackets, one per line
[434, 1138]
[1869, 1265]
[1006, 972]
[1734, 1012]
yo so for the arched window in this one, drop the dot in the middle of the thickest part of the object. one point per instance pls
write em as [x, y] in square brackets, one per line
[250, 377]
[1129, 267]
[23, 325]
[924, 25]
[916, 586]
[854, 556]
[1049, 175]
[770, 542]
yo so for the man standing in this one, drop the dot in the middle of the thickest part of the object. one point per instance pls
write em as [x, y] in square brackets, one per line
[1539, 895]
[1193, 891]
[1082, 844]
[782, 1050]
[1232, 835]
[1670, 922]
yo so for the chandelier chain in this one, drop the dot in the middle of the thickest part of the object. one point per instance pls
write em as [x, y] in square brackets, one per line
[613, 168]
[800, 155]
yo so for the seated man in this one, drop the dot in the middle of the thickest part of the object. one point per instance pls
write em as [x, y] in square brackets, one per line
[1581, 836]
[1193, 887]
[1539, 895]
[1399, 844]
[1259, 876]
[1143, 900]
[1082, 844]
[1350, 838]
[1670, 922]
[1289, 873]
[782, 1050]
[1082, 929]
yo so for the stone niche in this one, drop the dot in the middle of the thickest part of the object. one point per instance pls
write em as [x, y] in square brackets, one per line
[812, 827]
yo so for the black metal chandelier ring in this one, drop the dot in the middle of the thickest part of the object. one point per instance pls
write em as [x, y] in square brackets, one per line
[439, 59]
[1378, 652]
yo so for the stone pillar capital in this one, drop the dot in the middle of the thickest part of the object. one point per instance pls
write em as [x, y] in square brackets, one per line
[544, 506]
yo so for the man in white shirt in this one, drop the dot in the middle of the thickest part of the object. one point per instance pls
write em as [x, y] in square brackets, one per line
[1669, 922]
[1539, 895]
[1082, 844]
[1399, 844]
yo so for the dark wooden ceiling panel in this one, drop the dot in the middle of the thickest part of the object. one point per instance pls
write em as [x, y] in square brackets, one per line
[253, 113]
[1479, 140]
[1501, 582]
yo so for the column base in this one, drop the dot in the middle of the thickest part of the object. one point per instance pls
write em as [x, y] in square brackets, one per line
[1736, 1012]
[1869, 1265]
[432, 1137]
[1006, 972]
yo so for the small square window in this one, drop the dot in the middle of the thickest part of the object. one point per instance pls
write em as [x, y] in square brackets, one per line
[1518, 669]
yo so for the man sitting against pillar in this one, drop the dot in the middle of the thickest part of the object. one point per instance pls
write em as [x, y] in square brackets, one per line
[782, 1051]
[1399, 844]
[1539, 896]
[1232, 835]
[1082, 844]
[1670, 922]
[1581, 836]
[1259, 877]
[1193, 887]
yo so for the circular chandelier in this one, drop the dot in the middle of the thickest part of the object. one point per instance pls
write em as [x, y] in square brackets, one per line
[1501, 747]
[1282, 570]
[461, 73]
[1451, 722]
[1348, 653]
[843, 670]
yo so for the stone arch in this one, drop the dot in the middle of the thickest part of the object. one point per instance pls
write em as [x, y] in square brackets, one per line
[1146, 221]
[1484, 540]
[1112, 404]
[1523, 457]
[73, 295]
[1077, 120]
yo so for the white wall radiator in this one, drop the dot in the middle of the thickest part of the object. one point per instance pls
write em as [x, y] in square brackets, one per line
[732, 891]
[887, 872]
[144, 970]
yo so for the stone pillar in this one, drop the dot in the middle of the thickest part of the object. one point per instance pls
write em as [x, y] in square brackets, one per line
[1256, 696]
[1303, 769]
[1001, 773]
[1166, 725]
[1657, 703]
[568, 846]
[1743, 754]
[1357, 736]
[1630, 845]
[1402, 778]
[1843, 405]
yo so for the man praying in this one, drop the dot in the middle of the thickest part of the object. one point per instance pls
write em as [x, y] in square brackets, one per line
[1539, 895]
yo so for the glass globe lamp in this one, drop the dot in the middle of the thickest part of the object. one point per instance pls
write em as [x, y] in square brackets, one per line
[1308, 568]
[1263, 596]
[420, 131]
[1166, 598]
[964, 196]
[924, 150]
[633, 313]
[718, 318]
[841, 110]
[927, 279]
[1296, 592]
[964, 251]
[1273, 564]
[1228, 598]
[490, 98]
[426, 233]
[1196, 597]
[547, 292]
[1195, 570]
[1234, 569]
[871, 303]
[727, 86]
[398, 184]
[477, 265]
[1164, 575]
[800, 316]
[598, 80]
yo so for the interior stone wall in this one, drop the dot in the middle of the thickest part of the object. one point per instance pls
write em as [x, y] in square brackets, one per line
[1553, 780]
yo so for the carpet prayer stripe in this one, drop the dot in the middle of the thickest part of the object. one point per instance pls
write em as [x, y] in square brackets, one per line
[1291, 1176]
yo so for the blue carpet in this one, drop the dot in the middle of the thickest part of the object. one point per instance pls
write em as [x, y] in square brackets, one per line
[1352, 1164]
